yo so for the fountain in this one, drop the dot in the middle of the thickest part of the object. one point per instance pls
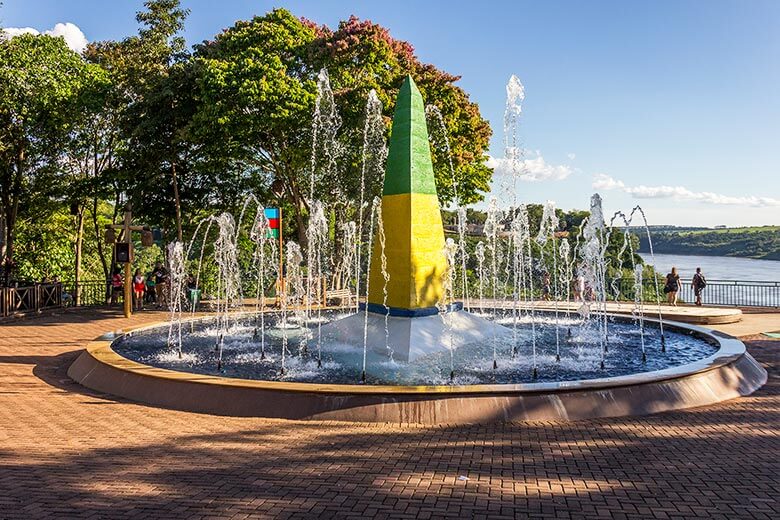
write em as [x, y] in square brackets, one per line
[415, 250]
[410, 351]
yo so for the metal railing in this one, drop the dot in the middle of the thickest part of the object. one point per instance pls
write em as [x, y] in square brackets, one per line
[728, 293]
[28, 297]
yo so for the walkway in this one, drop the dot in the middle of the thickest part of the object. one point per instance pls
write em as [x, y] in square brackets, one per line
[69, 453]
[683, 313]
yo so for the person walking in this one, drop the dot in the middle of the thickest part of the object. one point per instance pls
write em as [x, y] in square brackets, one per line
[672, 287]
[139, 287]
[698, 283]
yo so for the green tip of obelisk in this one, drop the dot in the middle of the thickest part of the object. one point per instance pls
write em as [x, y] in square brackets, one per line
[409, 166]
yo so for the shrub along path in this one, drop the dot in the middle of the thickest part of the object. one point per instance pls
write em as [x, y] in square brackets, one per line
[66, 452]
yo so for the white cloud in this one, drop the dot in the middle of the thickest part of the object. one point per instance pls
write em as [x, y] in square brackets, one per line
[571, 156]
[16, 31]
[605, 182]
[530, 166]
[73, 36]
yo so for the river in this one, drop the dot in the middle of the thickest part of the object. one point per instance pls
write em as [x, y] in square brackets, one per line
[718, 267]
[725, 269]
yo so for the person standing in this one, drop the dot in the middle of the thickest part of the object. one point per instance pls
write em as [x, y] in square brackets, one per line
[139, 287]
[117, 286]
[160, 282]
[698, 283]
[672, 287]
[579, 288]
[151, 291]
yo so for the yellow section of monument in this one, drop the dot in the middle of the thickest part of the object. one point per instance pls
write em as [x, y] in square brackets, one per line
[414, 248]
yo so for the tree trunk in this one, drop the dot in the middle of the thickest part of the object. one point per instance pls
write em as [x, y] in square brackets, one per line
[11, 213]
[177, 202]
[78, 246]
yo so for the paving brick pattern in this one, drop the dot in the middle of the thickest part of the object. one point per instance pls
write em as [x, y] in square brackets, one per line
[66, 452]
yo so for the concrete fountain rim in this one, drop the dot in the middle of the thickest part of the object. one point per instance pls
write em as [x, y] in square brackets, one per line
[729, 350]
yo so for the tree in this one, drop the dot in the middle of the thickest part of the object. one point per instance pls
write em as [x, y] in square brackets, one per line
[257, 88]
[159, 110]
[40, 80]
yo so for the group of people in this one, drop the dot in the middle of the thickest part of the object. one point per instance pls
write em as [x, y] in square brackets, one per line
[151, 288]
[673, 285]
[583, 292]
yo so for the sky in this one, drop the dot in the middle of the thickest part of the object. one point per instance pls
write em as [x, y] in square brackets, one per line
[672, 105]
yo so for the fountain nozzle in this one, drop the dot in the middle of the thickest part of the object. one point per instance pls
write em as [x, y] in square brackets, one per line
[363, 377]
[319, 362]
[495, 364]
[663, 343]
[644, 357]
[602, 365]
[535, 373]
[557, 358]
[452, 375]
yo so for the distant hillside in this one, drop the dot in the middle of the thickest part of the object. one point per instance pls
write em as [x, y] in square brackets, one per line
[747, 242]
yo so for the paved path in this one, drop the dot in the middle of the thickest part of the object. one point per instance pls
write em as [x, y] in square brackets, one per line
[68, 453]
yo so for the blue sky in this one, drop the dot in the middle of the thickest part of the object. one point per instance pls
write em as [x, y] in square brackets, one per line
[674, 105]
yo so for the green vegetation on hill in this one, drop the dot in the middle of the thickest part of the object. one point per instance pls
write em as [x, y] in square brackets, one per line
[746, 242]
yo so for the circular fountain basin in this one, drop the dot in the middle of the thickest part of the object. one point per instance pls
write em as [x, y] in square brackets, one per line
[699, 367]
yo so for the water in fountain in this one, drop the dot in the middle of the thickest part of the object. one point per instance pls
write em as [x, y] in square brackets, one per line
[639, 306]
[492, 230]
[317, 238]
[513, 151]
[566, 273]
[325, 149]
[372, 170]
[435, 116]
[350, 256]
[375, 208]
[323, 175]
[229, 277]
[380, 228]
[655, 277]
[547, 229]
[479, 253]
[265, 249]
[204, 240]
[596, 239]
[293, 296]
[177, 279]
[447, 297]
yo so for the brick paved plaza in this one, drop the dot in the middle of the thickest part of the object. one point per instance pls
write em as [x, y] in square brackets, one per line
[66, 452]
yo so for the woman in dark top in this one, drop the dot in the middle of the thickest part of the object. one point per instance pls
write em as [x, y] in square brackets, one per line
[672, 286]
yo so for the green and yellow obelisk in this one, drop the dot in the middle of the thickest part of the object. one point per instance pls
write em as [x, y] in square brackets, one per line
[414, 235]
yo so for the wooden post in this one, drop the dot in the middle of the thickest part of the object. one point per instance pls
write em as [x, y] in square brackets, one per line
[128, 303]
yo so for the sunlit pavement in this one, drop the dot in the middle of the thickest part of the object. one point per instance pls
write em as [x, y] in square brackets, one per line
[66, 452]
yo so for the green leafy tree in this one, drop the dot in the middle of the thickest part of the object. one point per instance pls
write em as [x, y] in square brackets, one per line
[257, 88]
[40, 82]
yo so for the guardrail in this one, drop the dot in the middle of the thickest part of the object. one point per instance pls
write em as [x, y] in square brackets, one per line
[32, 298]
[728, 293]
[26, 298]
